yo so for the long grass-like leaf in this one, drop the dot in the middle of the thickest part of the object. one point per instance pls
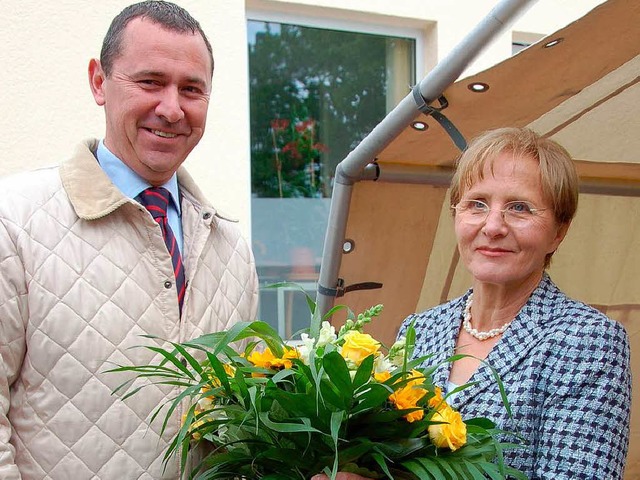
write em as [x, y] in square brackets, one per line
[288, 427]
[173, 359]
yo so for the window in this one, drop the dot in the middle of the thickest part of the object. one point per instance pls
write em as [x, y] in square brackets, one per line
[517, 47]
[522, 40]
[315, 93]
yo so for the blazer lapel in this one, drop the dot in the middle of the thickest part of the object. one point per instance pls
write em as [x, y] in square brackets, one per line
[447, 340]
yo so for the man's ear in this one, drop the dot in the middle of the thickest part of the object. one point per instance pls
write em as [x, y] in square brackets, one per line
[96, 80]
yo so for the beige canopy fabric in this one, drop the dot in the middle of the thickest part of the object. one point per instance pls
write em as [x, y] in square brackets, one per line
[582, 90]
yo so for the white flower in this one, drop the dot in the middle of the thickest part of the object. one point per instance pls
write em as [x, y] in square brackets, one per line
[306, 343]
[396, 352]
[327, 334]
[382, 364]
[304, 347]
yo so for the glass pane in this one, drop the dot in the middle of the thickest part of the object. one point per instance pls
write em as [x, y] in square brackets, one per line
[314, 95]
[517, 47]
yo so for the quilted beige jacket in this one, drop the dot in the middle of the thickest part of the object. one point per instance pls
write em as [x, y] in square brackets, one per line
[85, 273]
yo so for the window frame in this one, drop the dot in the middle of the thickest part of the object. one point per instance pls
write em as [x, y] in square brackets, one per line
[329, 20]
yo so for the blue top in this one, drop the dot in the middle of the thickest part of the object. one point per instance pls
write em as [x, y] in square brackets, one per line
[131, 184]
[565, 368]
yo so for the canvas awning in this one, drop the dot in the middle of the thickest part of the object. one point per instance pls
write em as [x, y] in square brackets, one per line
[583, 90]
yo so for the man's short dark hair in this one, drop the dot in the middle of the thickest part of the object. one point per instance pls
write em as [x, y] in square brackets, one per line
[166, 14]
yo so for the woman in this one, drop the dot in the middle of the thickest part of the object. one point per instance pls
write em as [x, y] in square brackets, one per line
[564, 365]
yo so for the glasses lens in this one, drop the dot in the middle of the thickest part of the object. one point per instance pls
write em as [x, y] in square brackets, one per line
[472, 211]
[518, 213]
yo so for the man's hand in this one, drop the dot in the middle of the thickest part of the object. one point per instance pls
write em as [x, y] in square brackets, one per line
[340, 476]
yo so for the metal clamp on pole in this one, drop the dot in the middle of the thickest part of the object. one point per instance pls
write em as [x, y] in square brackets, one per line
[340, 289]
[436, 113]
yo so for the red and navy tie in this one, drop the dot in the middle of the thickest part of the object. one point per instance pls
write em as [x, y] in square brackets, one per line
[156, 200]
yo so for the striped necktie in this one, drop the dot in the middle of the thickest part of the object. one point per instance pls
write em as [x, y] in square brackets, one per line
[156, 200]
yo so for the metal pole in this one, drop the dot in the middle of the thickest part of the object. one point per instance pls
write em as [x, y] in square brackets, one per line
[351, 168]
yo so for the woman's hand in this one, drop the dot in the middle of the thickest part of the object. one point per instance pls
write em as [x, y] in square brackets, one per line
[341, 476]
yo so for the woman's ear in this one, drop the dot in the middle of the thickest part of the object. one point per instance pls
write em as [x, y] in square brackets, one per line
[560, 234]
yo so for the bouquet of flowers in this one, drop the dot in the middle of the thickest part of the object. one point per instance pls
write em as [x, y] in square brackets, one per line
[335, 401]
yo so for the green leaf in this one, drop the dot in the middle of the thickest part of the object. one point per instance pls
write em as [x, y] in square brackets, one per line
[512, 472]
[283, 427]
[266, 332]
[484, 423]
[373, 396]
[220, 373]
[418, 469]
[473, 471]
[445, 467]
[382, 463]
[338, 373]
[410, 340]
[336, 423]
[433, 468]
[173, 359]
[491, 470]
[363, 374]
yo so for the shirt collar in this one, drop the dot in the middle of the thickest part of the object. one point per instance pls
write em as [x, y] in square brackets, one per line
[128, 181]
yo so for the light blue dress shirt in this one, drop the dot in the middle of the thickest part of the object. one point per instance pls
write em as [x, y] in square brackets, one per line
[131, 185]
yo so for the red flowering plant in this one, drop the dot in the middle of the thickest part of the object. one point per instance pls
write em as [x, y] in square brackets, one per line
[297, 157]
[334, 401]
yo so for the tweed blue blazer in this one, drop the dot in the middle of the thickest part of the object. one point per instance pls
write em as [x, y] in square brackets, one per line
[565, 368]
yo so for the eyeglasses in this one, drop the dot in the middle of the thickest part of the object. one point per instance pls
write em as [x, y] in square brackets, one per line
[515, 214]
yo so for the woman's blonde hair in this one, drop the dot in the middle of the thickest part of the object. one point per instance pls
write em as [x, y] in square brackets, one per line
[558, 174]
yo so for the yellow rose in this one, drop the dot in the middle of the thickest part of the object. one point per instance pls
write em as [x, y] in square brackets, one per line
[417, 378]
[266, 359]
[358, 346]
[285, 362]
[261, 359]
[382, 376]
[408, 397]
[437, 400]
[452, 433]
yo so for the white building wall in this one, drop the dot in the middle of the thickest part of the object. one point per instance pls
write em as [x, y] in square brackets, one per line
[47, 106]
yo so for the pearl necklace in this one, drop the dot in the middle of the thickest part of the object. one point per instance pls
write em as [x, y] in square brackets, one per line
[466, 324]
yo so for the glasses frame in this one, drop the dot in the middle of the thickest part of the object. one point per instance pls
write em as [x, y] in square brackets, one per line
[477, 218]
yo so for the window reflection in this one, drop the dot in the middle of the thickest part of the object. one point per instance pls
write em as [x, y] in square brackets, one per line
[314, 95]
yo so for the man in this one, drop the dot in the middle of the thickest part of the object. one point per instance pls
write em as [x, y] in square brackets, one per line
[87, 269]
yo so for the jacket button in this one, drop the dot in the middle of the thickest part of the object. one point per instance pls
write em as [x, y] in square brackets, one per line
[206, 215]
[168, 284]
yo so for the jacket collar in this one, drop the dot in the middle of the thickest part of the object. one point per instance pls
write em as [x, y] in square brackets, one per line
[526, 331]
[93, 195]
